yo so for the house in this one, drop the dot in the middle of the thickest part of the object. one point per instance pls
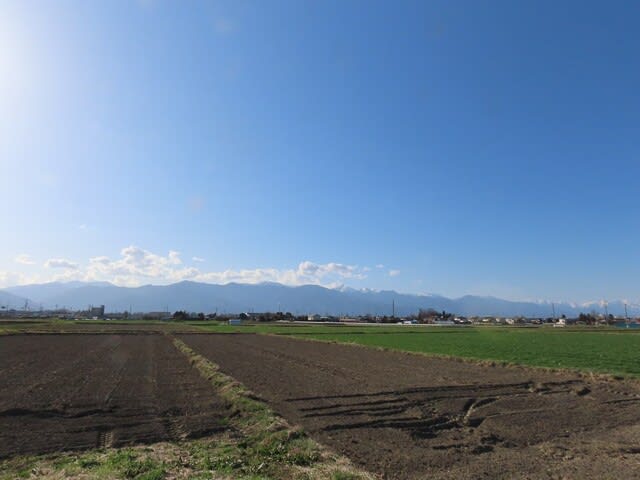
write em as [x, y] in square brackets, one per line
[442, 321]
[349, 320]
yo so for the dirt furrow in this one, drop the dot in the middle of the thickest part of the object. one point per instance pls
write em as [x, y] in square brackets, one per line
[99, 390]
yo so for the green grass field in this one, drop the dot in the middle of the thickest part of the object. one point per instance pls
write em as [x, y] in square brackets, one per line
[602, 350]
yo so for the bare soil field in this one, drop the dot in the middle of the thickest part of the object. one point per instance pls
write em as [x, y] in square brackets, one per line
[67, 392]
[406, 416]
[35, 327]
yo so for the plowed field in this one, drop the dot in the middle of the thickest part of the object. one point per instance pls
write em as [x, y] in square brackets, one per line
[68, 392]
[406, 416]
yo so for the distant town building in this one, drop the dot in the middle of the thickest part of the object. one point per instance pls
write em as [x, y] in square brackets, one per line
[97, 312]
[350, 320]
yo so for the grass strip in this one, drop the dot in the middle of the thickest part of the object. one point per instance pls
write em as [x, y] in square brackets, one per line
[135, 463]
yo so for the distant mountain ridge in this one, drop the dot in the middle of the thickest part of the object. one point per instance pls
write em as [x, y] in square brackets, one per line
[11, 300]
[46, 293]
[236, 298]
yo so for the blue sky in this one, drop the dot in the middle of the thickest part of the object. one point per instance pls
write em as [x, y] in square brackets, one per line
[448, 147]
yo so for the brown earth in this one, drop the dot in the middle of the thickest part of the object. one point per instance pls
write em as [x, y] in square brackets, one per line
[406, 416]
[68, 392]
[35, 327]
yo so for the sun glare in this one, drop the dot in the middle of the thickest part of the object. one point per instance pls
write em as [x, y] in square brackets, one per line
[14, 62]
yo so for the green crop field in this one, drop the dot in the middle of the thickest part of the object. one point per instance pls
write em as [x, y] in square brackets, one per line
[604, 350]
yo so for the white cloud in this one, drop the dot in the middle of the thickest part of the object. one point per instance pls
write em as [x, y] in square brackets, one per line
[136, 266]
[10, 279]
[307, 272]
[24, 259]
[198, 259]
[60, 263]
[100, 260]
[394, 273]
[174, 257]
[381, 266]
[310, 269]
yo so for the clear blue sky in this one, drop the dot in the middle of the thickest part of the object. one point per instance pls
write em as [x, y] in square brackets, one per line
[461, 147]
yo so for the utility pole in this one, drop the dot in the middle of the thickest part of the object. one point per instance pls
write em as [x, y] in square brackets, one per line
[553, 307]
[393, 308]
[626, 315]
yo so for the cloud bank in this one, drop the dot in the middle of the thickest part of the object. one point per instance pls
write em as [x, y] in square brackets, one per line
[136, 266]
[60, 263]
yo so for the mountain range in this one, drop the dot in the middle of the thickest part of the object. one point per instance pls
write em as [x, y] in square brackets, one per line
[236, 298]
